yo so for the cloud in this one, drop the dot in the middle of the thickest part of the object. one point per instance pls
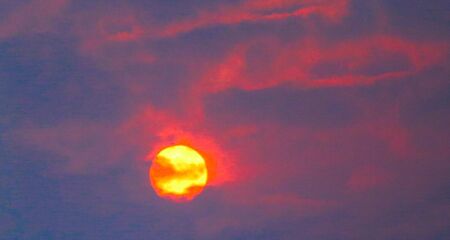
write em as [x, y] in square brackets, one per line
[317, 118]
[316, 62]
[257, 11]
[368, 177]
[37, 16]
[105, 34]
[321, 108]
[78, 147]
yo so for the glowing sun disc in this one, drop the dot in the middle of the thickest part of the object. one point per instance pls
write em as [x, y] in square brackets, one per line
[178, 173]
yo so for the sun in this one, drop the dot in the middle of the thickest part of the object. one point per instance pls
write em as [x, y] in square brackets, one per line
[178, 173]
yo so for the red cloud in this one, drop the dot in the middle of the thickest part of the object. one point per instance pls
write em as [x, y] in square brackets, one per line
[257, 11]
[296, 63]
[100, 29]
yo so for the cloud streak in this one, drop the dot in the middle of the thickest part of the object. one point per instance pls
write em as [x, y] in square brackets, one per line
[318, 119]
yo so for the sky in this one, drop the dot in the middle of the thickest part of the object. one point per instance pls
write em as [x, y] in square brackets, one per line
[325, 119]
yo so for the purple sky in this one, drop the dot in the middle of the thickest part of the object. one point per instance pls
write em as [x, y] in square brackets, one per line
[325, 119]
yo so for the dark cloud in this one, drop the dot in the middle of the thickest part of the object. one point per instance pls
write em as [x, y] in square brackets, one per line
[323, 119]
[318, 108]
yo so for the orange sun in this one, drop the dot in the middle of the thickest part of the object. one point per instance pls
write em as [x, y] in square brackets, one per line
[178, 173]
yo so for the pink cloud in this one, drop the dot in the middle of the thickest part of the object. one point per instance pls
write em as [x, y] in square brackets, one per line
[295, 63]
[127, 25]
[265, 167]
[367, 178]
[36, 16]
[257, 11]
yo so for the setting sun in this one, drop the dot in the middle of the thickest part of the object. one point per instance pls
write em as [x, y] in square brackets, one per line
[178, 173]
